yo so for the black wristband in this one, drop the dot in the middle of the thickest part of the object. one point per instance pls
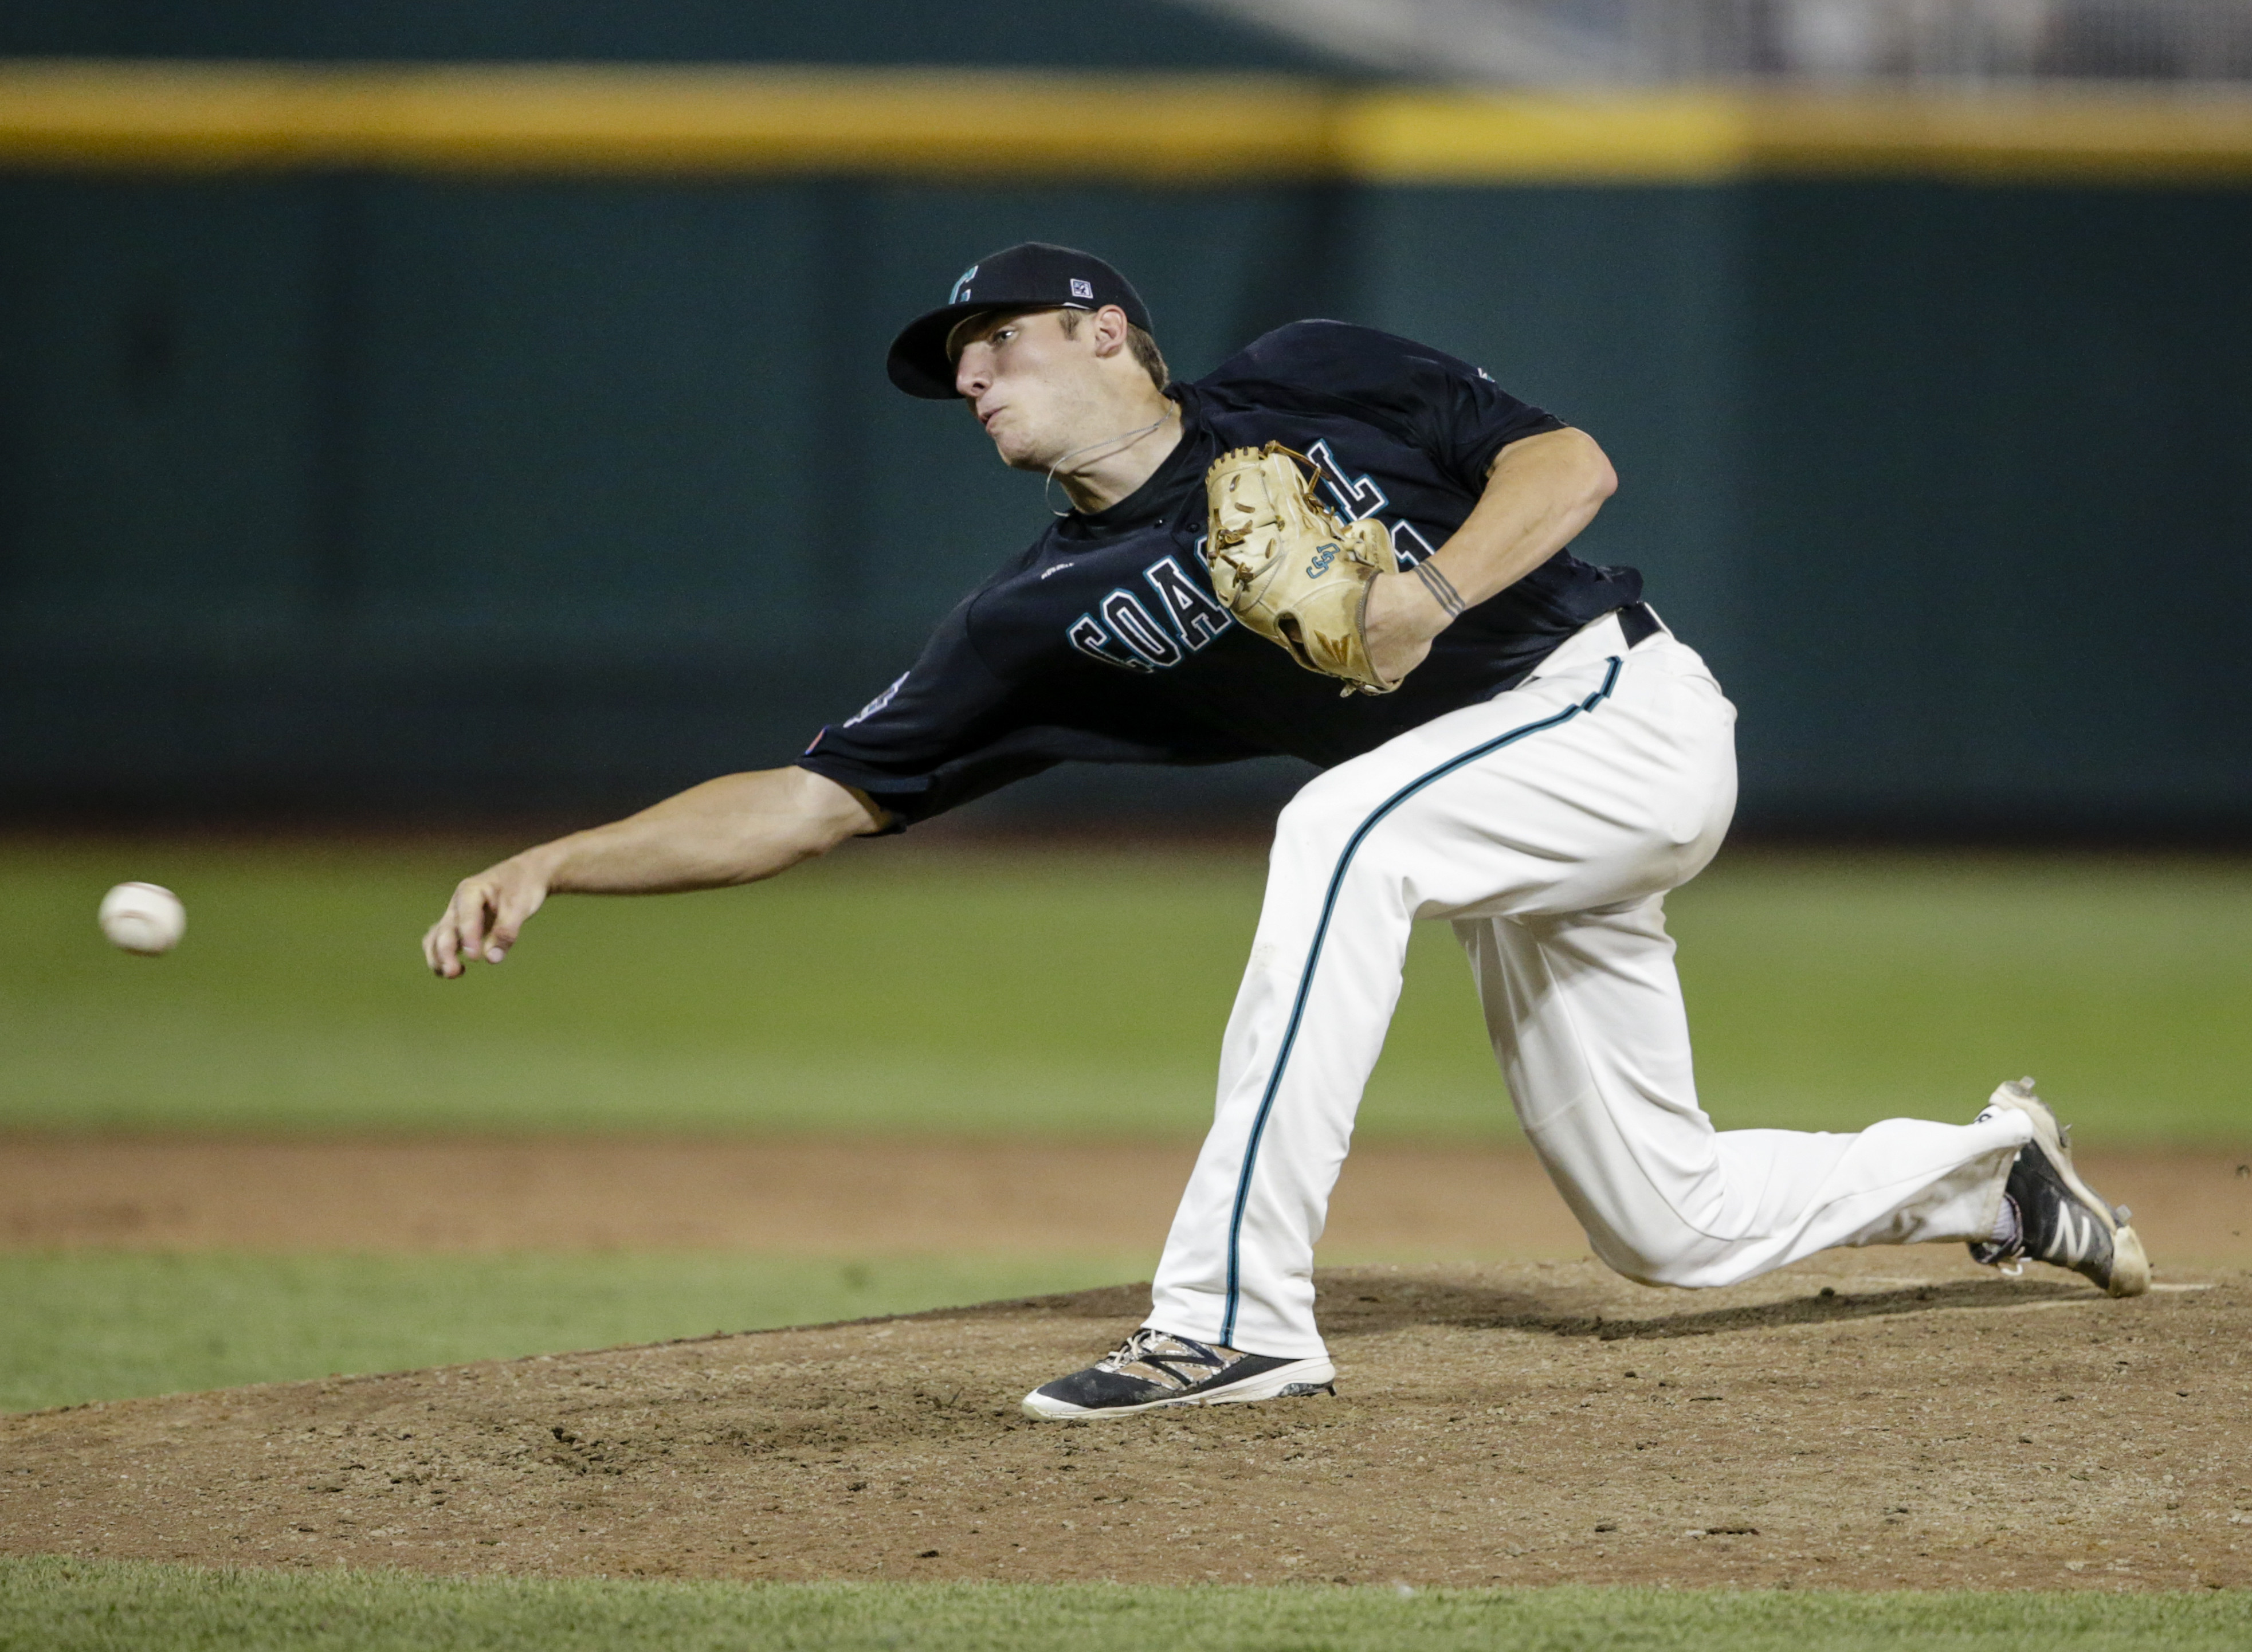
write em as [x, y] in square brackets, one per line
[1441, 589]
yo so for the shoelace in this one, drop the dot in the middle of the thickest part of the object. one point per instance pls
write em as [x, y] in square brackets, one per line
[1127, 1352]
[1146, 1346]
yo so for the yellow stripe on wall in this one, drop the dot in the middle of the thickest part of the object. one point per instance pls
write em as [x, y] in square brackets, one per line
[558, 120]
[2089, 134]
[1462, 138]
[1438, 138]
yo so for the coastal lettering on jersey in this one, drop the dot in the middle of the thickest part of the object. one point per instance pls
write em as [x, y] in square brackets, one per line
[1124, 632]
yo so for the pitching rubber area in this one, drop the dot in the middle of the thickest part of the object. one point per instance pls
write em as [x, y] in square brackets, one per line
[1877, 1419]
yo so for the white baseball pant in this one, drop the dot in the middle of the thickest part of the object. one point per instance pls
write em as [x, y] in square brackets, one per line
[1547, 825]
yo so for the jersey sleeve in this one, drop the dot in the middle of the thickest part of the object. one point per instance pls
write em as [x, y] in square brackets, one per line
[1450, 409]
[949, 728]
[955, 726]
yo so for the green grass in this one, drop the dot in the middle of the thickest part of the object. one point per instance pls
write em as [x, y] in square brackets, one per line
[82, 1326]
[896, 988]
[77, 1605]
[1826, 991]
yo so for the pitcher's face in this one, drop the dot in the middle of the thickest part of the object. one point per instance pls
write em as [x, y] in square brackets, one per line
[1030, 385]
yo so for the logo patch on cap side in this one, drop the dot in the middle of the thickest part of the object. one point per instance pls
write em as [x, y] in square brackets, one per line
[1079, 289]
[962, 286]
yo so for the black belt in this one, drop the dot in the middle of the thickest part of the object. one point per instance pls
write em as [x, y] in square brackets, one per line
[1638, 624]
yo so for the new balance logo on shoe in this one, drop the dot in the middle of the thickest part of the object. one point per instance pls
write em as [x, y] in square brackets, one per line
[2060, 1219]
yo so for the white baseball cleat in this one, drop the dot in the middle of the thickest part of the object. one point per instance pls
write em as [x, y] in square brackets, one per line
[2060, 1219]
[1154, 1368]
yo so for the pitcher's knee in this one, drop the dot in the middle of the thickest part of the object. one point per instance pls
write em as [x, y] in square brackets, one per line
[1686, 1266]
[1662, 1243]
[1640, 1258]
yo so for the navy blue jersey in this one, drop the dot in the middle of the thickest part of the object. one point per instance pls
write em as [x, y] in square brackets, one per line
[1103, 642]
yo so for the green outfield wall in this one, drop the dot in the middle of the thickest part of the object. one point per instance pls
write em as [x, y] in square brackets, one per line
[496, 458]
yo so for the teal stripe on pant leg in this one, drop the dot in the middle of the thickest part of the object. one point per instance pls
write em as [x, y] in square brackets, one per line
[1314, 955]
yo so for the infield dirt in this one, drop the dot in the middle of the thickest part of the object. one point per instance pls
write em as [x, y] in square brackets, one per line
[1871, 1420]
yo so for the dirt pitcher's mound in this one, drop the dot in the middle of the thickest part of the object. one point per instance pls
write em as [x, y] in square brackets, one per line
[1885, 1419]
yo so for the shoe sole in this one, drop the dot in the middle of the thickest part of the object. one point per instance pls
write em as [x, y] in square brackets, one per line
[1285, 1382]
[2130, 1268]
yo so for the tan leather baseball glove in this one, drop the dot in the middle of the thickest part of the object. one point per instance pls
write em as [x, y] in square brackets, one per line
[1285, 566]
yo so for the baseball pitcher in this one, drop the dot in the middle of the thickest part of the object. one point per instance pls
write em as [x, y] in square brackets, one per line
[1349, 547]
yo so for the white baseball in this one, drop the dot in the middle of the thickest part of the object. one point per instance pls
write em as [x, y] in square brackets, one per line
[144, 918]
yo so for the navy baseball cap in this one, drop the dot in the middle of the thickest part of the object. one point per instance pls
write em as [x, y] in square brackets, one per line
[1031, 275]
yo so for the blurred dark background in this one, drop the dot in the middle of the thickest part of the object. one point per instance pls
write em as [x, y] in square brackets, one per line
[379, 496]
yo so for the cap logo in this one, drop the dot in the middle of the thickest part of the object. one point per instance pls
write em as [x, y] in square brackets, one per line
[1079, 289]
[962, 286]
